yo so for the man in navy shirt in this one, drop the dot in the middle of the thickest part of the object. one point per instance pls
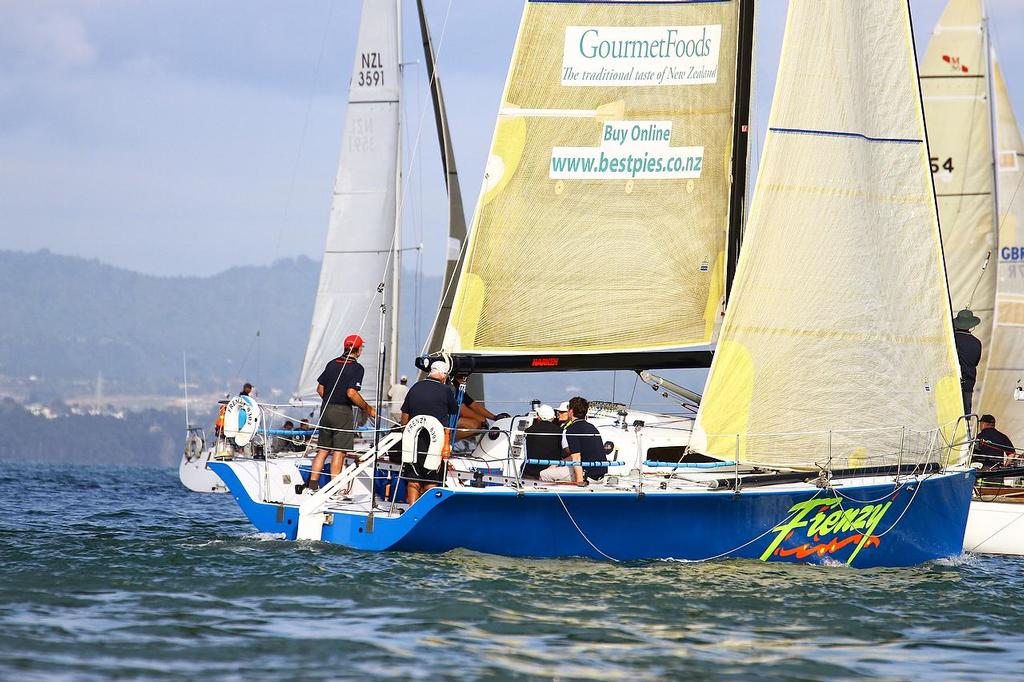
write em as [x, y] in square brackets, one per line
[433, 397]
[581, 442]
[968, 351]
[339, 385]
[993, 448]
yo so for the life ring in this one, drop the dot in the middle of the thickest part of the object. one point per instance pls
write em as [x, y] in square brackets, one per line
[241, 419]
[194, 446]
[412, 434]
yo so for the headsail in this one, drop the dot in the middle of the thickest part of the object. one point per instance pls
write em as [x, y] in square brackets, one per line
[838, 332]
[602, 220]
[1006, 356]
[954, 83]
[362, 224]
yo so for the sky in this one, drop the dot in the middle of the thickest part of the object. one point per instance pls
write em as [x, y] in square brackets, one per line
[184, 137]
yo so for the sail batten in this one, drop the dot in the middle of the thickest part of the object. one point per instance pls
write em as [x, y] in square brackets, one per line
[837, 344]
[361, 235]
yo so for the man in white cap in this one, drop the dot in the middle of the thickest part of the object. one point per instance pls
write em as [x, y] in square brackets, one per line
[396, 396]
[433, 397]
[543, 441]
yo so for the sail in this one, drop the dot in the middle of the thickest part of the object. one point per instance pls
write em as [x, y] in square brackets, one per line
[954, 83]
[837, 344]
[1006, 357]
[601, 224]
[362, 223]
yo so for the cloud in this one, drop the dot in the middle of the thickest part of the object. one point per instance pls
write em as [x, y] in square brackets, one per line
[52, 39]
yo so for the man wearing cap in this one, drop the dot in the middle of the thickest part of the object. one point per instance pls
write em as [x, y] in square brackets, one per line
[396, 396]
[581, 442]
[968, 351]
[993, 448]
[431, 396]
[543, 441]
[339, 385]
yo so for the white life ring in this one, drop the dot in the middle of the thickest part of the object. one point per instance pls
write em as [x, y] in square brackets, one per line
[411, 435]
[241, 419]
[194, 446]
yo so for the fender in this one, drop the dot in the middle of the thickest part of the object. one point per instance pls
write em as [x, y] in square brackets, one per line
[412, 432]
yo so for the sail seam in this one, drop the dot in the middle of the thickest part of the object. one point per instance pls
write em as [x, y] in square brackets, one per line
[840, 133]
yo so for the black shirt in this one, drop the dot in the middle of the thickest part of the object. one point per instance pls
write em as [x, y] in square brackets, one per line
[968, 350]
[991, 447]
[583, 437]
[431, 397]
[338, 376]
[543, 441]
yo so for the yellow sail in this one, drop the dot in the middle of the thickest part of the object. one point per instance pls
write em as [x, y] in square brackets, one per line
[1006, 355]
[602, 219]
[954, 83]
[837, 344]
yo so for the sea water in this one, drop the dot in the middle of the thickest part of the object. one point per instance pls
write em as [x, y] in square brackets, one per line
[121, 573]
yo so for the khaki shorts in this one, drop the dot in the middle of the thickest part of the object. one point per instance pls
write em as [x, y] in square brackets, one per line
[337, 428]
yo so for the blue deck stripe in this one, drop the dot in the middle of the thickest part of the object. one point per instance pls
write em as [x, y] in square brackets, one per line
[838, 133]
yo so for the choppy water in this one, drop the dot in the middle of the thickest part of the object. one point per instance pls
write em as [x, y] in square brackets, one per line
[121, 573]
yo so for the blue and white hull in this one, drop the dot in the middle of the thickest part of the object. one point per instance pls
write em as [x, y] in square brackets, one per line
[865, 522]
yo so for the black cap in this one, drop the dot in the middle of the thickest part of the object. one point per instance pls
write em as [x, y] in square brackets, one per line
[987, 418]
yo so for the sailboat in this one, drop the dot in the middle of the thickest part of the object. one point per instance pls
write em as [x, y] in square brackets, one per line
[978, 163]
[359, 287]
[607, 236]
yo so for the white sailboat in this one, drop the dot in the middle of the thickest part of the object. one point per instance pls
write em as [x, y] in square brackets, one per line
[614, 183]
[978, 163]
[362, 254]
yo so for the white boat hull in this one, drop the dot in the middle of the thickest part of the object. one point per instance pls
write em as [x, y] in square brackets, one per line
[197, 476]
[995, 528]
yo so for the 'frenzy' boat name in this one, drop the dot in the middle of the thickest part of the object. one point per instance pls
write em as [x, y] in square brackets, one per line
[640, 55]
[836, 525]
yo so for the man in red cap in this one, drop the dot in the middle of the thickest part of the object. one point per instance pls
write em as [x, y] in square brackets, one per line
[339, 385]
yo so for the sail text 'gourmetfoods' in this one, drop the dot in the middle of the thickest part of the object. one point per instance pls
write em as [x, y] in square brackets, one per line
[640, 55]
[629, 150]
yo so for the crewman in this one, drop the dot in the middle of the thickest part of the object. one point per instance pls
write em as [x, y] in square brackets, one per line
[968, 351]
[993, 448]
[338, 386]
[581, 442]
[543, 441]
[396, 396]
[433, 397]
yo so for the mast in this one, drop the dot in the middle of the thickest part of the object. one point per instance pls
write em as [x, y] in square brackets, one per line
[456, 212]
[741, 133]
[396, 253]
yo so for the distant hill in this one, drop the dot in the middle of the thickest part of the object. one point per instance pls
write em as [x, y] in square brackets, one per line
[68, 320]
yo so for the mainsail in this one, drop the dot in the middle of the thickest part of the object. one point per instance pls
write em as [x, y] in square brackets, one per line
[1006, 356]
[362, 233]
[837, 344]
[955, 86]
[601, 226]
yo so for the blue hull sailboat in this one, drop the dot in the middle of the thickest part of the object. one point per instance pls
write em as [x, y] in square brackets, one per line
[607, 235]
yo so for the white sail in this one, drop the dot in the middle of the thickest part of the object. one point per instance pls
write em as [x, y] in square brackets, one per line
[601, 224]
[955, 87]
[837, 343]
[362, 230]
[1006, 356]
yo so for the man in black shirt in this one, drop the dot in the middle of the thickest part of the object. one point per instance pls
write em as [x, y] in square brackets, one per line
[433, 397]
[968, 350]
[581, 442]
[543, 441]
[339, 385]
[993, 448]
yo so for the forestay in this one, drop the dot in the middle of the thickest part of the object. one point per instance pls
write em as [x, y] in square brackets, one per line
[838, 332]
[1006, 366]
[362, 223]
[602, 219]
[954, 82]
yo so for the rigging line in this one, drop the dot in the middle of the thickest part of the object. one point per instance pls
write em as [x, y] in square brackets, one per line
[582, 534]
[981, 275]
